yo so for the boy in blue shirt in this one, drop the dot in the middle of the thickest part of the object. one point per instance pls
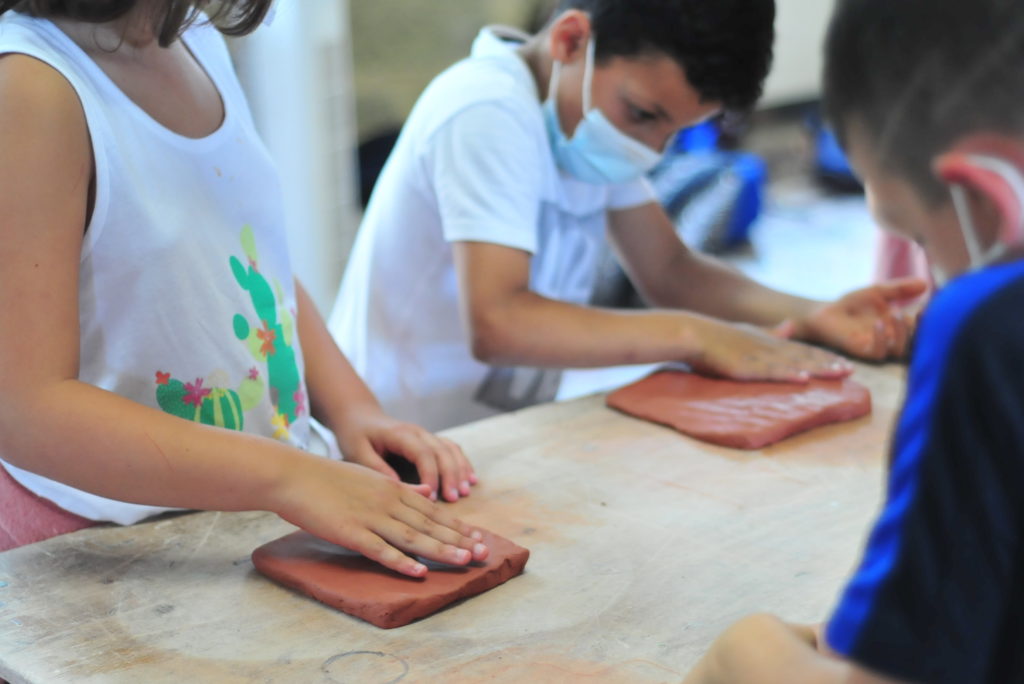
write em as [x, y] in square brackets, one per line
[925, 95]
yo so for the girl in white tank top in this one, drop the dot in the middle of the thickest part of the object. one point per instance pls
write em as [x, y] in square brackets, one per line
[156, 352]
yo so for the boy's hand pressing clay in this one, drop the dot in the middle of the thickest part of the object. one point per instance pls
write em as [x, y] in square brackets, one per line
[748, 353]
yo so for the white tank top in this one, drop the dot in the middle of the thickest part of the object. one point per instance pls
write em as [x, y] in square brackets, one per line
[186, 296]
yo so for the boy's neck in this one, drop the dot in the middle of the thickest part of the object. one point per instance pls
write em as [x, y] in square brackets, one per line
[538, 59]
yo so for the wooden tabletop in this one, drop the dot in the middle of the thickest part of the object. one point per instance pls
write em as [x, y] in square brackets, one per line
[645, 544]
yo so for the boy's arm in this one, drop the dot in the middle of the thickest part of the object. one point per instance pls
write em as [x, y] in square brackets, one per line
[54, 425]
[762, 649]
[511, 325]
[342, 401]
[867, 323]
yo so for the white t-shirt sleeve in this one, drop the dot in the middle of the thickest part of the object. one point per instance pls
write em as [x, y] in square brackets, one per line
[486, 166]
[631, 194]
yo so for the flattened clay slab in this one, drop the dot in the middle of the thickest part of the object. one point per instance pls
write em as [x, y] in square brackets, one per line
[356, 585]
[742, 415]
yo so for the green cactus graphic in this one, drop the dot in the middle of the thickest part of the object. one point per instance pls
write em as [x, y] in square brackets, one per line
[208, 405]
[271, 341]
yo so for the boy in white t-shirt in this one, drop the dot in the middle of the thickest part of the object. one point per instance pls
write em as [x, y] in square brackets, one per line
[469, 282]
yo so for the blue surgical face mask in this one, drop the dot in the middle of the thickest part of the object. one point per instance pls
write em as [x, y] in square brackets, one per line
[598, 152]
[268, 18]
[979, 258]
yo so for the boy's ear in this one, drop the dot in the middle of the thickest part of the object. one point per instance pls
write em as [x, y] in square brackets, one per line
[569, 36]
[985, 187]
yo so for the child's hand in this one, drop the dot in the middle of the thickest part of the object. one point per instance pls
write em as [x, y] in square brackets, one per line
[748, 353]
[364, 511]
[443, 469]
[871, 323]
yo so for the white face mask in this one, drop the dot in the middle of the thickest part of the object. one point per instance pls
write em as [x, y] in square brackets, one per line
[598, 151]
[980, 258]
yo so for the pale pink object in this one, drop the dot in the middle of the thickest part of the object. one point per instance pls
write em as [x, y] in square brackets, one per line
[365, 589]
[898, 257]
[26, 518]
[742, 415]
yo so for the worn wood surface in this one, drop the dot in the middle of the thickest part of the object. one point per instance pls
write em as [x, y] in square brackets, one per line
[646, 544]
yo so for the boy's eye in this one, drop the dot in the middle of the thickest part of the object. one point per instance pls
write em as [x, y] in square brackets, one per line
[638, 115]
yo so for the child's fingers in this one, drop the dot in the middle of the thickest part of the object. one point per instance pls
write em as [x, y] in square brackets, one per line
[442, 533]
[421, 489]
[785, 330]
[426, 466]
[442, 516]
[901, 335]
[889, 326]
[467, 478]
[446, 463]
[412, 447]
[410, 540]
[451, 472]
[811, 362]
[880, 340]
[369, 458]
[377, 549]
[903, 288]
[870, 341]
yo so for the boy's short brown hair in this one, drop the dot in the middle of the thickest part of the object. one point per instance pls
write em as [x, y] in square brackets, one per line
[917, 75]
[170, 17]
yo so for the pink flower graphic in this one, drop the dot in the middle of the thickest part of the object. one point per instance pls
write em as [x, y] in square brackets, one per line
[195, 393]
[267, 335]
[300, 402]
[254, 373]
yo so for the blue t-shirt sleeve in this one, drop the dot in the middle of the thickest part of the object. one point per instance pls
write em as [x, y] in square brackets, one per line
[937, 581]
[485, 166]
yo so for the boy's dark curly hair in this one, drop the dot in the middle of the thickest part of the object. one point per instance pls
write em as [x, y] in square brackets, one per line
[724, 46]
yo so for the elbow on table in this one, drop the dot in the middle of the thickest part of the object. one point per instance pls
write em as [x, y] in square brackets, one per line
[27, 425]
[12, 441]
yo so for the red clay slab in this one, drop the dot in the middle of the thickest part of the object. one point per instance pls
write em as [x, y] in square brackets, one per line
[356, 585]
[742, 415]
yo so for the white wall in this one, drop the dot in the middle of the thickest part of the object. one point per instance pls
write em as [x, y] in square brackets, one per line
[298, 75]
[800, 32]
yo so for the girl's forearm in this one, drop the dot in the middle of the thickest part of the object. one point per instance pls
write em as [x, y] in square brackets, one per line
[105, 444]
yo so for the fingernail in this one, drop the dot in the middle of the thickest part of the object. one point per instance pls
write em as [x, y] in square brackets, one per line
[473, 479]
[464, 488]
[476, 534]
[433, 495]
[453, 494]
[419, 568]
[463, 556]
[479, 550]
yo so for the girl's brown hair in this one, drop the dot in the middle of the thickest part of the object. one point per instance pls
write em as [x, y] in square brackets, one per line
[170, 17]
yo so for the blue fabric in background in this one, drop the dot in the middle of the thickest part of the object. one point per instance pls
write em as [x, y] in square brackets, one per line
[830, 163]
[714, 196]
